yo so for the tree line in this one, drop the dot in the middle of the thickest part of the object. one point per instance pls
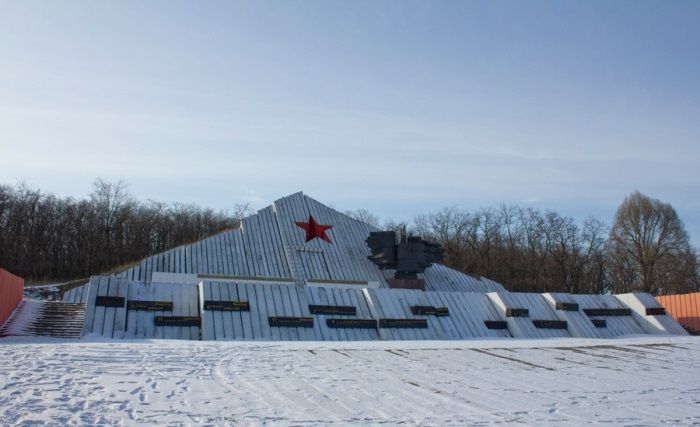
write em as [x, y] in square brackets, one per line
[646, 249]
[44, 237]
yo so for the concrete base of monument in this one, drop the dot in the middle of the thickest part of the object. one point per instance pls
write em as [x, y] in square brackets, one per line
[407, 284]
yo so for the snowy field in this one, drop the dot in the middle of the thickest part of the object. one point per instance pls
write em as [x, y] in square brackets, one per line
[635, 381]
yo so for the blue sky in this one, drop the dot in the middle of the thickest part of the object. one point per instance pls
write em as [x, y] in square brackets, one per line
[396, 107]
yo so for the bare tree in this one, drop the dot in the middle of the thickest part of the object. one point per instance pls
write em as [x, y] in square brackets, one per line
[650, 247]
[43, 237]
[594, 261]
[363, 215]
[448, 227]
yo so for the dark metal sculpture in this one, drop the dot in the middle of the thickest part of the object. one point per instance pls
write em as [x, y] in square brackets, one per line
[409, 255]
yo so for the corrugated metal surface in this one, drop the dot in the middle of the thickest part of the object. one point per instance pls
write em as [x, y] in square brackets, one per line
[11, 292]
[615, 325]
[346, 257]
[468, 312]
[396, 304]
[578, 323]
[652, 324]
[270, 245]
[491, 285]
[265, 301]
[685, 308]
[106, 321]
[77, 294]
[121, 322]
[538, 309]
[441, 278]
[228, 325]
[141, 323]
[341, 297]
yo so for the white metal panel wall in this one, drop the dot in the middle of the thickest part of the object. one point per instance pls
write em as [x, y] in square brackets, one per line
[105, 321]
[351, 244]
[395, 304]
[188, 279]
[340, 297]
[492, 285]
[264, 252]
[265, 301]
[132, 273]
[314, 265]
[185, 302]
[234, 325]
[615, 325]
[440, 278]
[468, 312]
[339, 256]
[578, 323]
[345, 257]
[438, 327]
[70, 295]
[653, 324]
[444, 279]
[252, 250]
[77, 294]
[538, 308]
[288, 211]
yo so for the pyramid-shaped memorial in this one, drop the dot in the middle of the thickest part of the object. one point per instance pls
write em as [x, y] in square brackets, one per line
[299, 270]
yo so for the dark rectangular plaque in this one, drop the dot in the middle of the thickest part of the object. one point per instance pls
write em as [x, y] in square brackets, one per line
[567, 306]
[403, 323]
[227, 305]
[151, 305]
[549, 324]
[423, 310]
[291, 322]
[442, 311]
[600, 323]
[101, 301]
[517, 312]
[599, 312]
[496, 324]
[655, 311]
[343, 310]
[352, 323]
[178, 321]
[428, 310]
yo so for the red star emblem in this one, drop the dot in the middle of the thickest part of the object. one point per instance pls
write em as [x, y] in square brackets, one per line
[314, 229]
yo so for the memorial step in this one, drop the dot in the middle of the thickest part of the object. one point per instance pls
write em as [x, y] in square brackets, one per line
[46, 318]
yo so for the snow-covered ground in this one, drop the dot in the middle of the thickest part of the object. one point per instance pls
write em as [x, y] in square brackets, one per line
[634, 381]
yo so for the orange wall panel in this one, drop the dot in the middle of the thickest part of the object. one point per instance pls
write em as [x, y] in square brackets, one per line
[684, 308]
[11, 291]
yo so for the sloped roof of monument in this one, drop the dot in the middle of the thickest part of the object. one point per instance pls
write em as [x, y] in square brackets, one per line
[270, 245]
